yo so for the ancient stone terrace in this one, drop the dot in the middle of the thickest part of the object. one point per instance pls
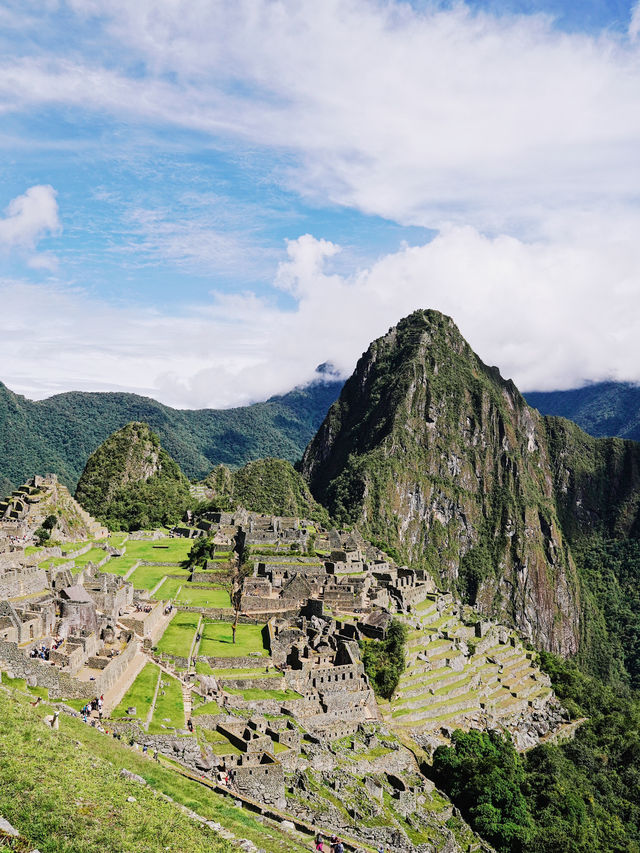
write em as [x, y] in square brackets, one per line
[466, 672]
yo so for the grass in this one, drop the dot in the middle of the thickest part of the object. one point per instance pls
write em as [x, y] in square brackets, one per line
[178, 636]
[203, 668]
[93, 555]
[169, 587]
[159, 550]
[64, 792]
[217, 640]
[243, 673]
[146, 577]
[207, 708]
[213, 597]
[140, 694]
[169, 710]
[120, 565]
[21, 684]
[255, 693]
[218, 742]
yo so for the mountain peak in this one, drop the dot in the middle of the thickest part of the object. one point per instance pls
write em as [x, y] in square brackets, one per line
[433, 453]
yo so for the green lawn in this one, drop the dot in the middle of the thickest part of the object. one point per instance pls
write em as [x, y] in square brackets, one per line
[140, 694]
[170, 587]
[206, 708]
[120, 565]
[146, 577]
[169, 710]
[258, 672]
[212, 597]
[253, 693]
[178, 636]
[217, 640]
[159, 550]
[203, 668]
[94, 555]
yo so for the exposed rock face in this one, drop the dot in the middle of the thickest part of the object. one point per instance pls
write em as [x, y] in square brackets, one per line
[433, 453]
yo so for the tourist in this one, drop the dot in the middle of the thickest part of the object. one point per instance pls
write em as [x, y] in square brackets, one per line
[319, 843]
[338, 846]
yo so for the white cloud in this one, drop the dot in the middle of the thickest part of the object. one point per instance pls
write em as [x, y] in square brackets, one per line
[30, 217]
[538, 310]
[426, 116]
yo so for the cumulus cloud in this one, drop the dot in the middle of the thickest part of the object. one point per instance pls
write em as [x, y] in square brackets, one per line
[30, 217]
[538, 310]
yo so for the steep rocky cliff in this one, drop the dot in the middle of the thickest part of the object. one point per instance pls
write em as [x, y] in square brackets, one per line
[130, 481]
[434, 454]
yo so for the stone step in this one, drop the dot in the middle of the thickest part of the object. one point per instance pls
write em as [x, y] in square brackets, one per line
[457, 688]
[465, 703]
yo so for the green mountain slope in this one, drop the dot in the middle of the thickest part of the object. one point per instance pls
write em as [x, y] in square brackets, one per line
[267, 485]
[435, 454]
[130, 482]
[58, 435]
[601, 409]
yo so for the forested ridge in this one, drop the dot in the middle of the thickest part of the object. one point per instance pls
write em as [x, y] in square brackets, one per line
[58, 435]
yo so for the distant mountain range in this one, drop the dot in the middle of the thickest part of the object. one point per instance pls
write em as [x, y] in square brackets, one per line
[57, 435]
[603, 409]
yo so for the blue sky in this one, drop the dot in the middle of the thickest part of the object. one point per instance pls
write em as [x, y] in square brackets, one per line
[204, 201]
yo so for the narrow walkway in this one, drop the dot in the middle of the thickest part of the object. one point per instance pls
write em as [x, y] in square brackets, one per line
[131, 570]
[149, 716]
[194, 645]
[114, 694]
[186, 701]
[157, 586]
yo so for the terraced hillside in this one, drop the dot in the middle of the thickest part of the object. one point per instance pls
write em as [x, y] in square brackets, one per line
[456, 679]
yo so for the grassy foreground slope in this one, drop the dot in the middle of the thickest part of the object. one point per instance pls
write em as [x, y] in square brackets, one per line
[62, 790]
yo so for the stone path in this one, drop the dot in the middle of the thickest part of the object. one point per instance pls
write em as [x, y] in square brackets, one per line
[131, 570]
[186, 701]
[149, 716]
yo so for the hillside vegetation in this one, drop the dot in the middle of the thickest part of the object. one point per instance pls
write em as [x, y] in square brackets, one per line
[267, 485]
[602, 409]
[130, 482]
[62, 790]
[57, 435]
[577, 796]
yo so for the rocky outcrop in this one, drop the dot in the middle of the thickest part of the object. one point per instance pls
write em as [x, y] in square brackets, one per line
[433, 454]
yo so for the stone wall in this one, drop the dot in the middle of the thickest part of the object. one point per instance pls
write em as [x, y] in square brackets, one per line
[262, 782]
[63, 684]
[17, 582]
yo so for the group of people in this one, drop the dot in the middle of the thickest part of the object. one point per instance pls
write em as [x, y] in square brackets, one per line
[335, 845]
[143, 608]
[44, 651]
[95, 705]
